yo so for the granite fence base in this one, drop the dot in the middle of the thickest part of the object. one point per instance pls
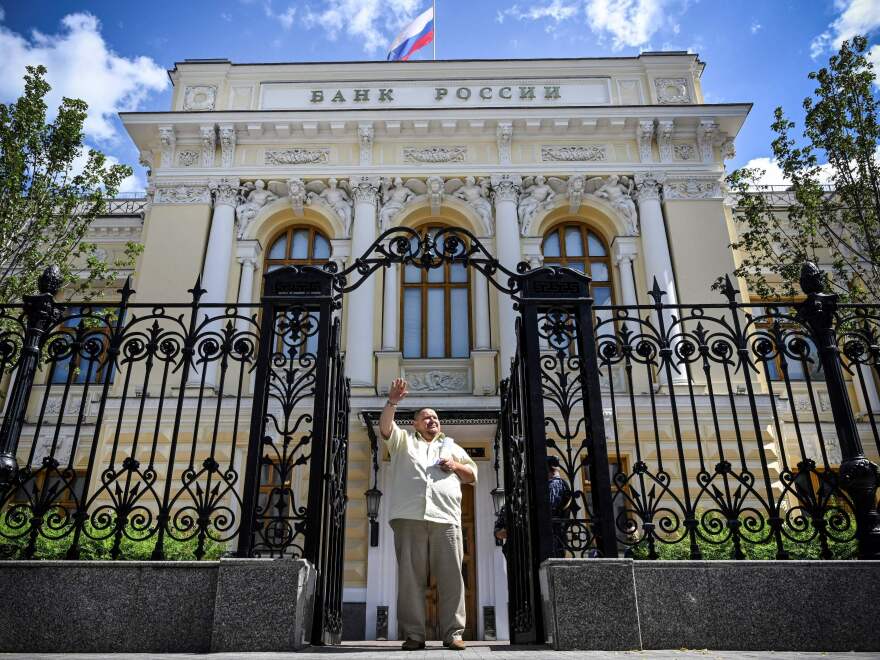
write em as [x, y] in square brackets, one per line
[622, 604]
[159, 607]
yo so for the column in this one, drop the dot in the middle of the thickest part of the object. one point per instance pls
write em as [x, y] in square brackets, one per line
[624, 250]
[390, 306]
[247, 253]
[505, 193]
[655, 246]
[218, 260]
[361, 301]
[482, 341]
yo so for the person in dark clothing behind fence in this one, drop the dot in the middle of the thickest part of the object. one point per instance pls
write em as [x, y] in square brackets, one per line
[560, 497]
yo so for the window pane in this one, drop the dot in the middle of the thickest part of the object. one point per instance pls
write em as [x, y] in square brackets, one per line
[412, 323]
[457, 273]
[436, 323]
[551, 245]
[595, 245]
[412, 274]
[601, 295]
[436, 274]
[322, 247]
[459, 322]
[279, 248]
[300, 249]
[574, 246]
[599, 271]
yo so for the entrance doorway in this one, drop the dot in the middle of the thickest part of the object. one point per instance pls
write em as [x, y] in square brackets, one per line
[468, 571]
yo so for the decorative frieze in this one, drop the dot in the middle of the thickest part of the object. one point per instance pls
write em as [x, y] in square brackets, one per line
[692, 188]
[438, 380]
[199, 97]
[575, 153]
[297, 156]
[435, 154]
[187, 158]
[175, 192]
[672, 90]
[684, 151]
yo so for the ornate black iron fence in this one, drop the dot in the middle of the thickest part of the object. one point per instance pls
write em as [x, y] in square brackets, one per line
[730, 428]
[185, 431]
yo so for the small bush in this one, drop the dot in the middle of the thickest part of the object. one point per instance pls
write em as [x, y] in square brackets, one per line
[753, 546]
[57, 545]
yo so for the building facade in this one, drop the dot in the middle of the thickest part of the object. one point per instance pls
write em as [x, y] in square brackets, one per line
[612, 166]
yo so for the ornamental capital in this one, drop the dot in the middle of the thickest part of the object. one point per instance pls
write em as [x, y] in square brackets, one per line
[224, 191]
[364, 189]
[649, 186]
[506, 187]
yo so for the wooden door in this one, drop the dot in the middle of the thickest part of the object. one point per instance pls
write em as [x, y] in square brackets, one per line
[468, 570]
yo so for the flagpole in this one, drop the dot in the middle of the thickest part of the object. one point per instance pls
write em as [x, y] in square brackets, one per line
[434, 40]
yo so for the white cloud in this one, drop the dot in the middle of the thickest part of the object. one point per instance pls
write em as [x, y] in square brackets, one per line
[132, 183]
[372, 22]
[80, 65]
[556, 11]
[873, 56]
[856, 17]
[284, 18]
[755, 27]
[774, 176]
[628, 22]
[226, 16]
[2, 13]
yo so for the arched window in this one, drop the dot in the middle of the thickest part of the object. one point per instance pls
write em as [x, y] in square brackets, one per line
[297, 246]
[575, 245]
[436, 310]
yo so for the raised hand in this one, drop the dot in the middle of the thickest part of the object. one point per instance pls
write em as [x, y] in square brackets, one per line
[398, 390]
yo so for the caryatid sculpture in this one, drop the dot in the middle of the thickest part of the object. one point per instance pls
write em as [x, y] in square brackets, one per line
[253, 196]
[618, 192]
[394, 197]
[476, 196]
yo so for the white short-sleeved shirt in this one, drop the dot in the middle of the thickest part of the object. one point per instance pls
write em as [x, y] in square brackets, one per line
[421, 490]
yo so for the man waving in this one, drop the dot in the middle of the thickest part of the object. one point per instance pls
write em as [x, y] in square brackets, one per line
[427, 471]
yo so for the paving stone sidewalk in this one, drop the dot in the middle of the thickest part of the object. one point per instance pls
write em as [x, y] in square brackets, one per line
[475, 651]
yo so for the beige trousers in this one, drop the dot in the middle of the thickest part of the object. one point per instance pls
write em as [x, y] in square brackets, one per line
[418, 543]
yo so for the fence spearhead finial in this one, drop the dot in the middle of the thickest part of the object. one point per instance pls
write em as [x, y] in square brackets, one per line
[656, 292]
[812, 279]
[50, 281]
[728, 290]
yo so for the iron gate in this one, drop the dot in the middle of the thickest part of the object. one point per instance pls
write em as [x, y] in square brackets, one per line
[299, 438]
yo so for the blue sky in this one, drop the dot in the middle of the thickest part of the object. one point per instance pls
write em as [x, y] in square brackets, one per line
[114, 54]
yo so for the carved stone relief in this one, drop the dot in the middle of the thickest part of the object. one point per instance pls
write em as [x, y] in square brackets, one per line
[199, 97]
[297, 156]
[672, 90]
[593, 152]
[692, 188]
[227, 146]
[685, 151]
[665, 129]
[365, 138]
[209, 145]
[435, 154]
[504, 136]
[645, 137]
[435, 380]
[167, 139]
[181, 193]
[187, 158]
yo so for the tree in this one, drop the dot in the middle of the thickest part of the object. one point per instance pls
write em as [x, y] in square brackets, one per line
[46, 203]
[836, 225]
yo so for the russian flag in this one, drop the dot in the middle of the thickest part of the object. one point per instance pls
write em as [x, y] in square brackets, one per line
[416, 35]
